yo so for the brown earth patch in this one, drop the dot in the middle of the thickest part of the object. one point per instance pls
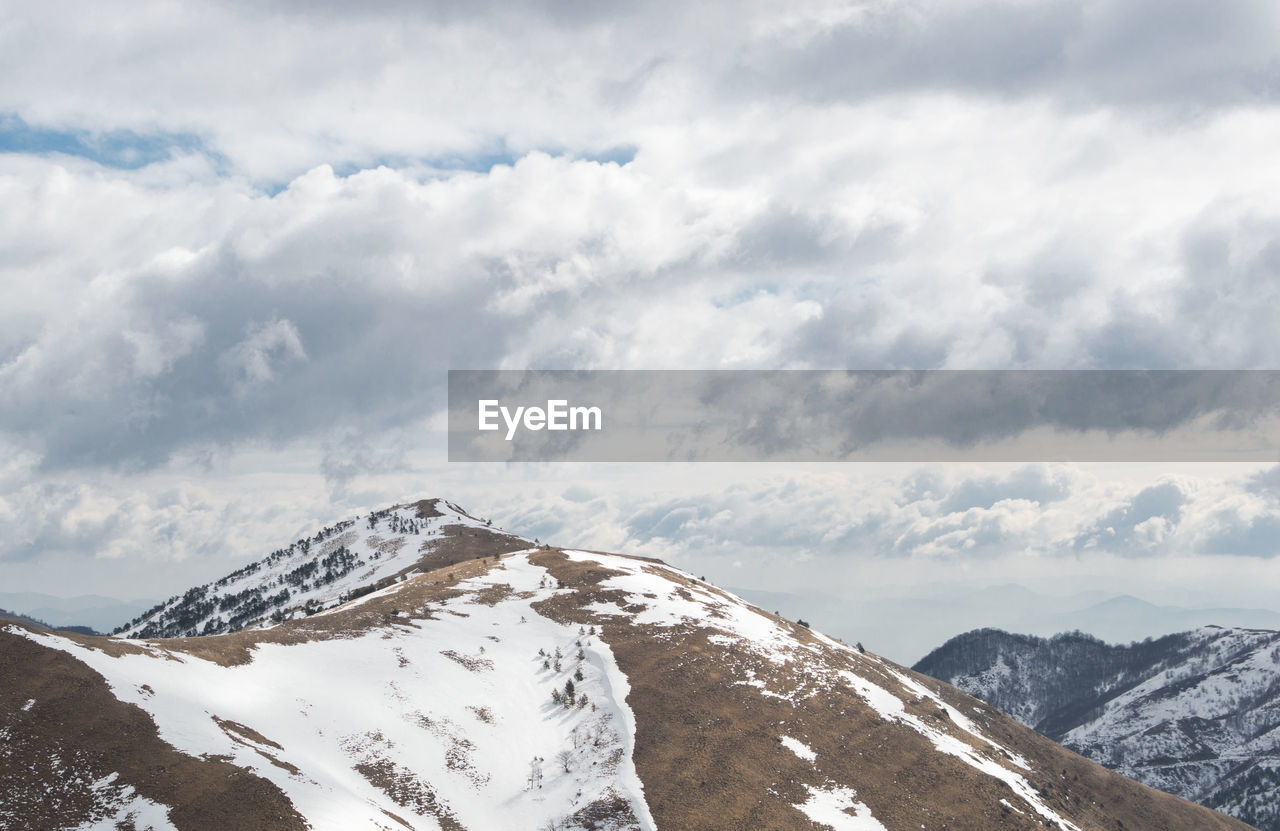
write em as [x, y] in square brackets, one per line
[248, 737]
[471, 662]
[408, 791]
[459, 543]
[425, 508]
[386, 546]
[91, 734]
[237, 729]
[492, 595]
[609, 811]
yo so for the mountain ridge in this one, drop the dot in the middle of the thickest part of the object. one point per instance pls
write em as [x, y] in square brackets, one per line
[538, 687]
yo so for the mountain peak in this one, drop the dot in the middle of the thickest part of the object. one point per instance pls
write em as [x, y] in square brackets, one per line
[338, 563]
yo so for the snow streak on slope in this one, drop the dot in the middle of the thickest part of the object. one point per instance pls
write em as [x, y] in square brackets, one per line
[336, 564]
[660, 596]
[799, 748]
[443, 722]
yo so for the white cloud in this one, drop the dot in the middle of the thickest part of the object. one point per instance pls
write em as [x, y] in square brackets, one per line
[355, 200]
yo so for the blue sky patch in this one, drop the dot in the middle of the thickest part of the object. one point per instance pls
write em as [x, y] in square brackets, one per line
[123, 149]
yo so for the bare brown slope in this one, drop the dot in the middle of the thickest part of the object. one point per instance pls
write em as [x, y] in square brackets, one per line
[709, 754]
[460, 543]
[77, 732]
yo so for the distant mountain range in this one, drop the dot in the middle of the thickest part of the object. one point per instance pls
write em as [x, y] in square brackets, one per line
[415, 669]
[96, 612]
[1196, 714]
[35, 623]
[906, 626]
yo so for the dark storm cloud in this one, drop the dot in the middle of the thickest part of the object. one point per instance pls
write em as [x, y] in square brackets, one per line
[273, 360]
[1179, 53]
[965, 408]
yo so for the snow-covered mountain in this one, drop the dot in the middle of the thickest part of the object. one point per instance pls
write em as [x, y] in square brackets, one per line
[339, 563]
[1196, 714]
[535, 688]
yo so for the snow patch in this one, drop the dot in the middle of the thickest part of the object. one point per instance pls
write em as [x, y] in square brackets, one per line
[799, 748]
[126, 809]
[671, 597]
[831, 808]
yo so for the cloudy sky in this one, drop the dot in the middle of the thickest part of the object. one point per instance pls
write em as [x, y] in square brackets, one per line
[241, 244]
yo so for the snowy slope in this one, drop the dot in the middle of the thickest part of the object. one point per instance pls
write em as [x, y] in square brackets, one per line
[442, 724]
[1195, 714]
[317, 572]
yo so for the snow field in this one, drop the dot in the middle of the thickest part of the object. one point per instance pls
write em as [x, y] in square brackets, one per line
[448, 734]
